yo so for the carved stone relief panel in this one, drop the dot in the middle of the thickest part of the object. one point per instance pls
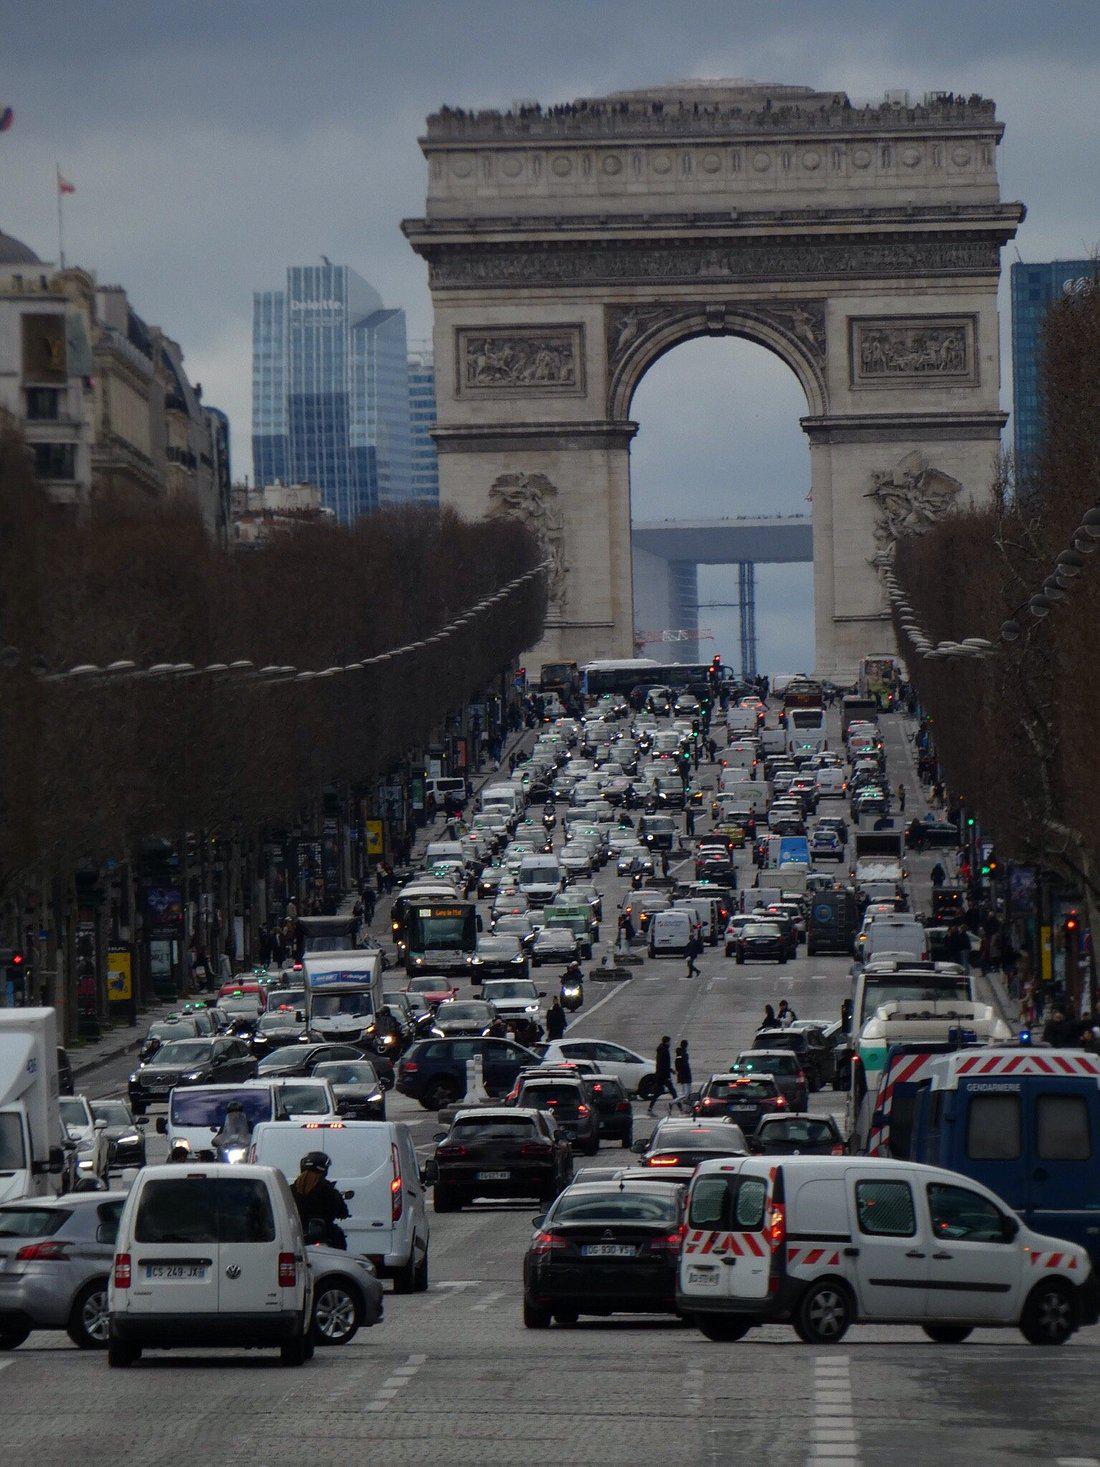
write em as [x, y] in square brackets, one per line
[931, 351]
[802, 321]
[909, 499]
[533, 500]
[520, 360]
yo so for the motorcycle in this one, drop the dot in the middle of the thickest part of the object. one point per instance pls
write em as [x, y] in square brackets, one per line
[549, 818]
[572, 993]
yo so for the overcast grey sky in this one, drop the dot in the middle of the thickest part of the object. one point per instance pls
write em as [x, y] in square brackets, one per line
[213, 143]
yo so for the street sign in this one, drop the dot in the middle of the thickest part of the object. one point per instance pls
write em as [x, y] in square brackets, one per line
[373, 831]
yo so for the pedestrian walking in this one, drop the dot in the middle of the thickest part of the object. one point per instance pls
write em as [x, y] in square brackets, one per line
[694, 950]
[689, 821]
[662, 1072]
[712, 750]
[683, 1074]
[370, 901]
[555, 1019]
[939, 875]
[769, 1019]
[664, 863]
[901, 798]
[786, 1015]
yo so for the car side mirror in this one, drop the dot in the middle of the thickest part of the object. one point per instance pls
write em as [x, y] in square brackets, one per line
[141, 1120]
[1010, 1226]
[385, 1082]
[638, 1147]
[429, 1173]
[537, 1222]
[100, 1125]
[439, 1136]
[161, 1124]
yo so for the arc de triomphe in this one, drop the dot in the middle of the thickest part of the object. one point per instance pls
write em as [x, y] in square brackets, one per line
[570, 247]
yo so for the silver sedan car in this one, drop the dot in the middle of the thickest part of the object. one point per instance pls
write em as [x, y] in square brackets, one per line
[55, 1258]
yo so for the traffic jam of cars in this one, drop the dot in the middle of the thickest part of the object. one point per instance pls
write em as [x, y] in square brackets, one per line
[285, 1152]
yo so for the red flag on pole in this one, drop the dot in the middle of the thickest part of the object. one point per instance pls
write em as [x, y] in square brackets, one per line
[64, 186]
[7, 117]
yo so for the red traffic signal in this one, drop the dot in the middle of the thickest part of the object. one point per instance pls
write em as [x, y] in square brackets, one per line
[1072, 922]
[17, 960]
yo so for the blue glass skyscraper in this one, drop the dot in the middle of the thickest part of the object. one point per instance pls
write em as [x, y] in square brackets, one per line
[1034, 290]
[330, 392]
[425, 467]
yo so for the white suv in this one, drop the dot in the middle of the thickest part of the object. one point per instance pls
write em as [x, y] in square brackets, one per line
[212, 1256]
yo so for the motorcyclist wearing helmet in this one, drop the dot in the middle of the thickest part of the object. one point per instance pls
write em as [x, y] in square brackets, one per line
[317, 1198]
[236, 1129]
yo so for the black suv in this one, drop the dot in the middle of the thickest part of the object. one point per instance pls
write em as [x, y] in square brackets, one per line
[567, 1102]
[614, 1114]
[500, 1152]
[189, 1062]
[433, 1071]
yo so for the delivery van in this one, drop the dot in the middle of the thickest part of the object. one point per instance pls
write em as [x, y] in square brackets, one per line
[1024, 1122]
[374, 1165]
[670, 932]
[825, 1242]
[32, 1158]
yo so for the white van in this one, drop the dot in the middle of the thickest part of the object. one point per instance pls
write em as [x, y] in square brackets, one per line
[831, 782]
[706, 913]
[540, 879]
[894, 935]
[734, 777]
[213, 1256]
[670, 932]
[506, 797]
[824, 1242]
[443, 785]
[197, 1112]
[374, 1165]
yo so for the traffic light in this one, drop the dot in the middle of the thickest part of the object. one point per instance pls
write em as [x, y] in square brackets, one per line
[1072, 925]
[991, 867]
[970, 822]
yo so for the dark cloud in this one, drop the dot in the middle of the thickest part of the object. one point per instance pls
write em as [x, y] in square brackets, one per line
[213, 143]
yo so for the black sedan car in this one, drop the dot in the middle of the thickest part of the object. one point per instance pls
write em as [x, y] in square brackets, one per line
[301, 1059]
[744, 1099]
[189, 1062]
[614, 1113]
[500, 1151]
[797, 1134]
[688, 1142]
[761, 941]
[125, 1138]
[359, 1090]
[277, 1029]
[604, 1248]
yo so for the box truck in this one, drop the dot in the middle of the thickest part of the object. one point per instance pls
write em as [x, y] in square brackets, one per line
[32, 1158]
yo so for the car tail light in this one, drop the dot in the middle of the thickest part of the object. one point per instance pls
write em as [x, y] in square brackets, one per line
[837, 1150]
[663, 1161]
[668, 1242]
[397, 1200]
[38, 1252]
[546, 1242]
[780, 1101]
[451, 1149]
[409, 1067]
[535, 1148]
[582, 1110]
[623, 1107]
[776, 1228]
[288, 1271]
[122, 1270]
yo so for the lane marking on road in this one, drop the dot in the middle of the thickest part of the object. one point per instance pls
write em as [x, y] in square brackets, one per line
[834, 1437]
[5, 1363]
[1077, 1462]
[487, 1303]
[599, 1003]
[395, 1382]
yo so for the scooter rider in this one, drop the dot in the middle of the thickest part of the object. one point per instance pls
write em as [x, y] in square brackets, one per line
[317, 1198]
[572, 986]
[236, 1130]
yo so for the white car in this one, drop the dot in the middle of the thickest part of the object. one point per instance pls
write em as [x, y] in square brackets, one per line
[613, 1059]
[92, 1147]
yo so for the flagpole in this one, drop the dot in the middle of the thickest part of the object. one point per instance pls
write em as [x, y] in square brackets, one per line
[60, 226]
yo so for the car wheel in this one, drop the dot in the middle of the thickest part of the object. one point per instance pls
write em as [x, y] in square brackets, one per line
[1050, 1314]
[12, 1336]
[723, 1328]
[566, 1316]
[441, 1093]
[293, 1352]
[592, 1147]
[534, 1318]
[740, 958]
[121, 1354]
[947, 1334]
[729, 951]
[404, 1280]
[89, 1322]
[824, 1313]
[337, 1312]
[628, 1140]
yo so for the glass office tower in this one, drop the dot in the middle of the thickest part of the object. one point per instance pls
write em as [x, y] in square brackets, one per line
[1034, 290]
[425, 469]
[330, 394]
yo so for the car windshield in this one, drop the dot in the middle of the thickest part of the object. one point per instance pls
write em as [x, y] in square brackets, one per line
[512, 988]
[207, 1108]
[288, 1020]
[770, 1064]
[807, 1133]
[186, 1052]
[347, 1072]
[493, 1128]
[479, 1011]
[740, 1089]
[12, 1155]
[244, 1003]
[177, 1029]
[303, 1099]
[114, 1112]
[760, 929]
[332, 1005]
[504, 946]
[541, 1095]
[426, 985]
[73, 1113]
[286, 998]
[615, 1205]
[31, 1222]
[554, 937]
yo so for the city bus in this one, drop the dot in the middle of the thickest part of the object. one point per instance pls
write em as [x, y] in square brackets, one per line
[440, 935]
[563, 678]
[619, 677]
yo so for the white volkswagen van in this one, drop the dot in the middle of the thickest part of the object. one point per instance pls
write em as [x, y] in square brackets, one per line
[824, 1242]
[209, 1256]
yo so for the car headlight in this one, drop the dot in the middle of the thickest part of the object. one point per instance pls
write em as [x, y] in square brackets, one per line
[475, 960]
[134, 1078]
[419, 962]
[531, 1008]
[437, 1032]
[236, 1154]
[195, 1075]
[130, 1140]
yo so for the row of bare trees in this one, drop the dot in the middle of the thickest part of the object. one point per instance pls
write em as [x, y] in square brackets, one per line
[1017, 734]
[88, 772]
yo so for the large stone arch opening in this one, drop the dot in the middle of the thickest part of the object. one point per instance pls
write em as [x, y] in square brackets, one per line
[720, 509]
[569, 247]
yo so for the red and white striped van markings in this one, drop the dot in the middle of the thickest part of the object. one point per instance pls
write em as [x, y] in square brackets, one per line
[915, 1067]
[1029, 1063]
[1068, 1261]
[807, 1257]
[702, 1241]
